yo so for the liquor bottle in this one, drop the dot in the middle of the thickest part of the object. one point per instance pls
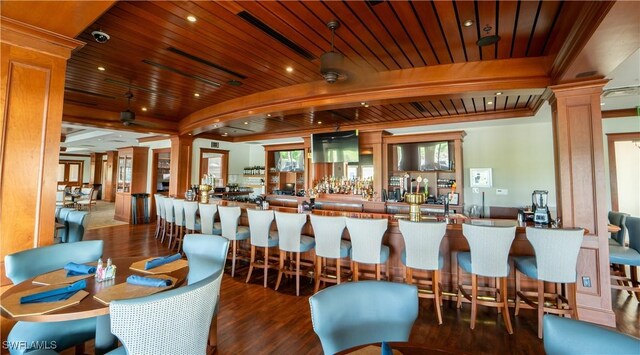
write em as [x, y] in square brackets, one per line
[100, 271]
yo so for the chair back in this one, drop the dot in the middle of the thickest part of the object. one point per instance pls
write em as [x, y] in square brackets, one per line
[86, 192]
[260, 226]
[618, 219]
[171, 322]
[207, 217]
[206, 254]
[157, 198]
[358, 313]
[229, 220]
[168, 209]
[162, 205]
[33, 262]
[60, 196]
[328, 234]
[556, 252]
[62, 187]
[178, 211]
[77, 222]
[633, 228]
[94, 195]
[190, 211]
[289, 230]
[62, 218]
[489, 248]
[422, 243]
[564, 336]
[366, 238]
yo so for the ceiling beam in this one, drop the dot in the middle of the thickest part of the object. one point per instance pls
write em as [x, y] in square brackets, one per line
[627, 112]
[498, 75]
[92, 117]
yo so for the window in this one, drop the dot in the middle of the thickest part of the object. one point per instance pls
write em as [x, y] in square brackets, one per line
[70, 172]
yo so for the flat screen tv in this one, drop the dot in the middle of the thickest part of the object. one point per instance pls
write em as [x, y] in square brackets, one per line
[422, 156]
[335, 147]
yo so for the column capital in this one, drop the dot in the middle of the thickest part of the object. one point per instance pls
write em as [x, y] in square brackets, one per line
[23, 35]
[577, 88]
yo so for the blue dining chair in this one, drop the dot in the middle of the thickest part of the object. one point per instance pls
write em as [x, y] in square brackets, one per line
[62, 218]
[29, 263]
[358, 313]
[623, 256]
[618, 219]
[170, 322]
[565, 336]
[77, 222]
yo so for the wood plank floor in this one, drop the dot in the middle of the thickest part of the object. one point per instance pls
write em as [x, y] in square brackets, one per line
[253, 319]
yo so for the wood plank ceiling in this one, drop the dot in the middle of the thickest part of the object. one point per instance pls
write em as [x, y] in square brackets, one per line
[235, 49]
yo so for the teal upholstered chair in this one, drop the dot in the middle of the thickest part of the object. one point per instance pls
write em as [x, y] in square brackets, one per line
[622, 256]
[229, 218]
[327, 231]
[206, 255]
[292, 241]
[23, 265]
[564, 336]
[208, 222]
[262, 236]
[170, 322]
[77, 222]
[62, 218]
[358, 313]
[618, 219]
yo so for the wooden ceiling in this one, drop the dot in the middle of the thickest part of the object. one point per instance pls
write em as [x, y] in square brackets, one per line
[238, 49]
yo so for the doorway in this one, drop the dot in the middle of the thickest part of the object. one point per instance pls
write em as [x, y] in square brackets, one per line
[624, 172]
[215, 162]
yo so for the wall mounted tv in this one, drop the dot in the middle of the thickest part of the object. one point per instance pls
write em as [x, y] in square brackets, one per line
[423, 156]
[335, 147]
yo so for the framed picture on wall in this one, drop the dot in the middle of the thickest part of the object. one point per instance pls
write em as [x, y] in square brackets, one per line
[480, 177]
[454, 198]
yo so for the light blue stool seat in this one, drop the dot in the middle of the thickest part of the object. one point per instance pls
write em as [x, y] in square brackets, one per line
[273, 240]
[242, 233]
[217, 228]
[564, 336]
[403, 257]
[345, 248]
[464, 260]
[306, 243]
[118, 351]
[527, 265]
[65, 334]
[623, 255]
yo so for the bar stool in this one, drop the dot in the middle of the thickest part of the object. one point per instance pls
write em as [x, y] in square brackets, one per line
[489, 257]
[329, 245]
[261, 237]
[169, 218]
[292, 240]
[555, 261]
[207, 217]
[229, 217]
[161, 217]
[620, 255]
[190, 222]
[422, 252]
[178, 211]
[157, 198]
[366, 244]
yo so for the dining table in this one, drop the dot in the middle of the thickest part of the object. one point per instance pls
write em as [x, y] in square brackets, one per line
[89, 306]
[398, 348]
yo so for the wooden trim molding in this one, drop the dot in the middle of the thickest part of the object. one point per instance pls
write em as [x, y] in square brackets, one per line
[612, 138]
[107, 119]
[27, 36]
[627, 112]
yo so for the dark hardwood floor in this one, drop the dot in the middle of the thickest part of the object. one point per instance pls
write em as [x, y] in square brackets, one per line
[253, 319]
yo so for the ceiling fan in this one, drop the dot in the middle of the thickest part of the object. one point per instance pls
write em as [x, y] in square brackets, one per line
[127, 117]
[332, 62]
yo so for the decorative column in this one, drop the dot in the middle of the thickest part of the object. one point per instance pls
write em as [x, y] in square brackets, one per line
[581, 192]
[109, 185]
[32, 67]
[181, 152]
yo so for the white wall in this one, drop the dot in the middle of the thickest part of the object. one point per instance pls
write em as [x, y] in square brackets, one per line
[239, 157]
[86, 166]
[628, 176]
[616, 125]
[165, 143]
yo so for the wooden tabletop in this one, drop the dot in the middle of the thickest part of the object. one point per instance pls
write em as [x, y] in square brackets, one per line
[88, 307]
[404, 348]
[613, 228]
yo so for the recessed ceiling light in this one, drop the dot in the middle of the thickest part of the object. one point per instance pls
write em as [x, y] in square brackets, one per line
[319, 122]
[489, 102]
[289, 69]
[225, 134]
[101, 68]
[363, 103]
[366, 105]
[144, 109]
[189, 133]
[268, 115]
[467, 23]
[196, 94]
[602, 104]
[192, 18]
[245, 122]
[498, 93]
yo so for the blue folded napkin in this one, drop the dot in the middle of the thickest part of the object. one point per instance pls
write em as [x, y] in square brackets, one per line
[148, 281]
[58, 294]
[161, 261]
[386, 349]
[74, 269]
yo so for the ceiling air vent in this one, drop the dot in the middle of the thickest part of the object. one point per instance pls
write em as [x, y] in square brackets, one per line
[623, 91]
[275, 35]
[180, 72]
[418, 106]
[205, 62]
[215, 144]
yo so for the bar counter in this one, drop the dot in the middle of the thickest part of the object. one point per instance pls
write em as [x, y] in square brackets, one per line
[452, 243]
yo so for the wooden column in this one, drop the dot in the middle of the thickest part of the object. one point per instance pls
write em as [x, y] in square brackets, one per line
[581, 192]
[32, 68]
[96, 168]
[181, 153]
[109, 185]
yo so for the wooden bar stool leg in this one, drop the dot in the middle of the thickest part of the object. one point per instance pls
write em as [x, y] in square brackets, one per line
[505, 304]
[378, 272]
[573, 300]
[498, 295]
[251, 261]
[517, 299]
[297, 274]
[474, 299]
[459, 300]
[233, 258]
[540, 306]
[266, 265]
[316, 287]
[338, 275]
[409, 274]
[355, 271]
[436, 294]
[634, 281]
[281, 269]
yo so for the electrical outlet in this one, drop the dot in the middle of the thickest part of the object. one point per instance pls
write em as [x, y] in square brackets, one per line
[476, 190]
[586, 281]
[502, 192]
